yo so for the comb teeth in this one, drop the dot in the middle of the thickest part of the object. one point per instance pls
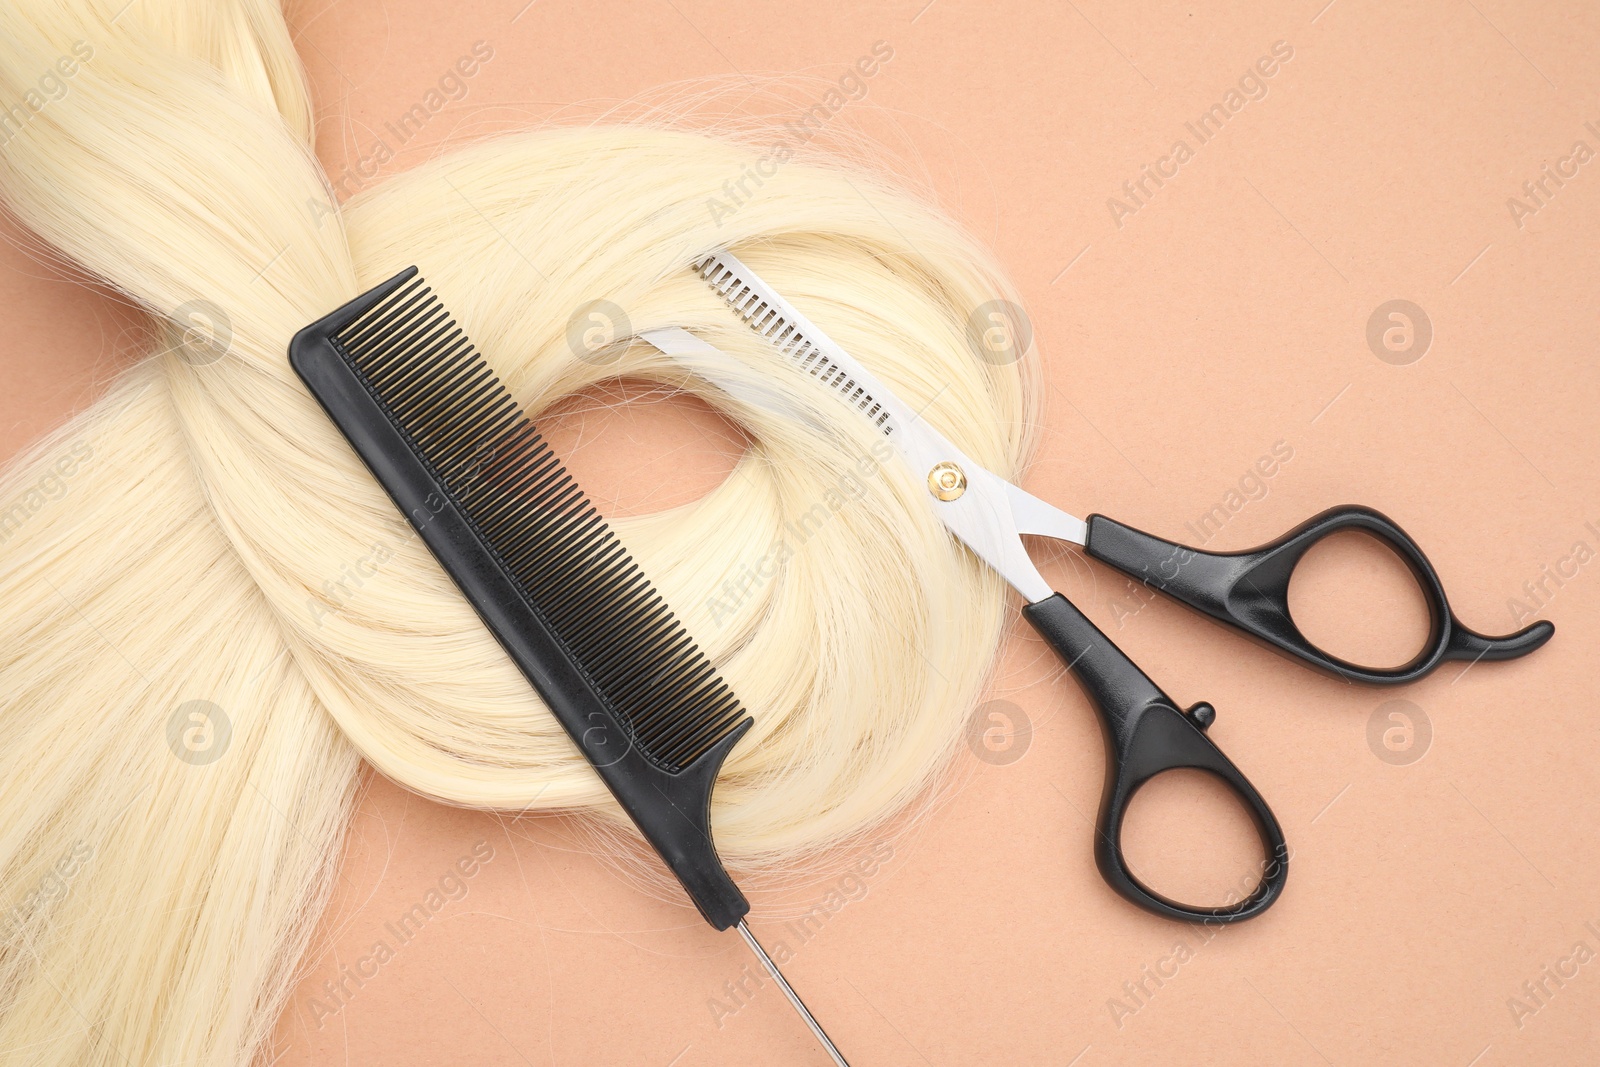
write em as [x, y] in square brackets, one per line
[749, 301]
[465, 426]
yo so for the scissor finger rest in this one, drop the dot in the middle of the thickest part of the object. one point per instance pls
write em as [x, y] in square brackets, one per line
[1250, 591]
[1145, 735]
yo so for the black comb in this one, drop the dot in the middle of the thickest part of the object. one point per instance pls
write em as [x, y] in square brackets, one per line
[549, 578]
[543, 570]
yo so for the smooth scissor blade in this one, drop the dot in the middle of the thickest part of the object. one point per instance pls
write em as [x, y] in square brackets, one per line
[988, 517]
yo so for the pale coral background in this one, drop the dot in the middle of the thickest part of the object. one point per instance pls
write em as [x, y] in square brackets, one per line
[1228, 313]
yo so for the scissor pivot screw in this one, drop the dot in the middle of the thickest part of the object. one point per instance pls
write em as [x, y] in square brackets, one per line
[947, 481]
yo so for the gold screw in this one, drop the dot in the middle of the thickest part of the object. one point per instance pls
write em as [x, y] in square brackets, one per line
[947, 481]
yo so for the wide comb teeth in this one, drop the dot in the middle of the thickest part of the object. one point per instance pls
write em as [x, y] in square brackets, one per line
[466, 427]
[752, 303]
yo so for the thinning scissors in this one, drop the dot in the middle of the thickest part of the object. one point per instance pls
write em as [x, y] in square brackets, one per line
[1145, 730]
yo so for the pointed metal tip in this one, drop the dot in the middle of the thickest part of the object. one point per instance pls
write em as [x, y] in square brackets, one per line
[788, 991]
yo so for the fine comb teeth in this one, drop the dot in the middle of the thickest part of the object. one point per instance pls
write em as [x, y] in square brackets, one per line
[768, 314]
[469, 431]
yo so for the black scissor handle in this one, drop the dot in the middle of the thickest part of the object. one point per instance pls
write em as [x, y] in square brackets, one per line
[1250, 591]
[1145, 735]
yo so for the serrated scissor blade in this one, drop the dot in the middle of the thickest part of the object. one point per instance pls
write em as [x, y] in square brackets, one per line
[988, 516]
